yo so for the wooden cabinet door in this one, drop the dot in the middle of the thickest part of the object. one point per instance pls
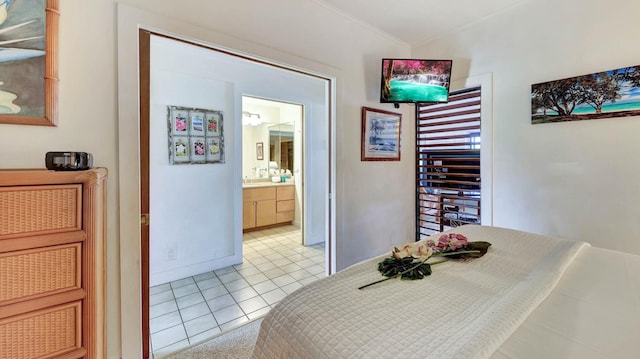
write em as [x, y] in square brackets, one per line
[248, 215]
[265, 212]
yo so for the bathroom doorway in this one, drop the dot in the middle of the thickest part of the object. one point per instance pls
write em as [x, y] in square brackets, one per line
[273, 156]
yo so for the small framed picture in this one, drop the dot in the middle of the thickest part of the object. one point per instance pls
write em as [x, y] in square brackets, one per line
[214, 149]
[196, 123]
[178, 122]
[180, 149]
[213, 123]
[198, 150]
[260, 150]
[380, 135]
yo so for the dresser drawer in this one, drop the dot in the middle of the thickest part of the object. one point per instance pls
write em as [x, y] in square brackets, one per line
[38, 272]
[32, 210]
[44, 333]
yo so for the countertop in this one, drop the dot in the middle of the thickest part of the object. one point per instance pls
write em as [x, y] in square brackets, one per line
[266, 184]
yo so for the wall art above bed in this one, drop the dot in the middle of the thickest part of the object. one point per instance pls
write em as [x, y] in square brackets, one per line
[195, 135]
[606, 94]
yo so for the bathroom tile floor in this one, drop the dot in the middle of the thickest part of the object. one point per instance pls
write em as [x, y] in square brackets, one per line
[191, 310]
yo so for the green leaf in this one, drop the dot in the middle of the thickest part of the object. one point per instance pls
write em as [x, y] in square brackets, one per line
[481, 247]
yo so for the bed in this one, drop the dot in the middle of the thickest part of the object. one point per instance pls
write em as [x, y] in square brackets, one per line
[530, 296]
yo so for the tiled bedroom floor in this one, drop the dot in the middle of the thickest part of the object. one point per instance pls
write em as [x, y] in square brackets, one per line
[193, 309]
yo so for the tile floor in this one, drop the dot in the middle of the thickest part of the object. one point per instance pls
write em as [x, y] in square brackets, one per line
[190, 310]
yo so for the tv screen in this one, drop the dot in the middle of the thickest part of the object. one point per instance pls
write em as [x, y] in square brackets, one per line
[412, 80]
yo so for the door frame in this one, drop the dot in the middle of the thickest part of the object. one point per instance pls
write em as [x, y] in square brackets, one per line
[144, 58]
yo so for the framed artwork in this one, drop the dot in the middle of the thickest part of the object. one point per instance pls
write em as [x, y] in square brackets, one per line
[212, 119]
[195, 135]
[29, 62]
[179, 120]
[606, 94]
[198, 151]
[196, 123]
[214, 149]
[180, 149]
[260, 151]
[380, 135]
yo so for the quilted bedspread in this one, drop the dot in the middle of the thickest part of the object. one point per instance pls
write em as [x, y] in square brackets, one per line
[463, 310]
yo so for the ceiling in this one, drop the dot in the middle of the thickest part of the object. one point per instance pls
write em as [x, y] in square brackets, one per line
[419, 21]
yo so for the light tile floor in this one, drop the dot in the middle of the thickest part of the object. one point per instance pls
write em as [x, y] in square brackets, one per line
[190, 310]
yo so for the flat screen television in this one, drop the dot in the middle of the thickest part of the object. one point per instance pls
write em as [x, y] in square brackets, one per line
[414, 80]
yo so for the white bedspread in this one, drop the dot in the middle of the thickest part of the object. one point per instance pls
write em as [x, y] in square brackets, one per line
[463, 310]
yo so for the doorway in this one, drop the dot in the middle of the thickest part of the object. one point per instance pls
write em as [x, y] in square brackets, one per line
[227, 248]
[273, 150]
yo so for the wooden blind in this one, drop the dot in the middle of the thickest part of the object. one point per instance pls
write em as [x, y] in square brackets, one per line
[448, 163]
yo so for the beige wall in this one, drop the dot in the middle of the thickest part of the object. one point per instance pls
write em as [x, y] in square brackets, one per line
[300, 33]
[577, 180]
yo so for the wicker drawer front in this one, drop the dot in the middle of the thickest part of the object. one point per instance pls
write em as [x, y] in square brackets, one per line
[42, 334]
[31, 210]
[38, 272]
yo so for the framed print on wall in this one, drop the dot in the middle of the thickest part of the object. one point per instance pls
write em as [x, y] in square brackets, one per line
[195, 135]
[179, 122]
[212, 119]
[196, 123]
[180, 149]
[198, 151]
[380, 135]
[214, 149]
[29, 62]
[260, 151]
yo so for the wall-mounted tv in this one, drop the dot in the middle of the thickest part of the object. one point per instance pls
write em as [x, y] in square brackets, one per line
[414, 80]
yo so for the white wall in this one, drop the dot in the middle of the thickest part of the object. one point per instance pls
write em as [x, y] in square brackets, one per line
[191, 205]
[353, 60]
[577, 180]
[98, 114]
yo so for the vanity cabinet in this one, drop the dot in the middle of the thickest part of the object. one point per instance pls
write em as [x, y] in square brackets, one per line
[258, 207]
[52, 264]
[267, 206]
[285, 204]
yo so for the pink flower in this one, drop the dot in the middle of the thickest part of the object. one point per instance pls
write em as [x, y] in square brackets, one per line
[452, 241]
[181, 124]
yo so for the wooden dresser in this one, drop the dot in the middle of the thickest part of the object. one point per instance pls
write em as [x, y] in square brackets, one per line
[52, 264]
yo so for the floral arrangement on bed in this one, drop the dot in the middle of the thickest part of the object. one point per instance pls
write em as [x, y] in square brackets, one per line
[410, 260]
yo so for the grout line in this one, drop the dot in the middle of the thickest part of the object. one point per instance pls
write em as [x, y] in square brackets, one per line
[276, 241]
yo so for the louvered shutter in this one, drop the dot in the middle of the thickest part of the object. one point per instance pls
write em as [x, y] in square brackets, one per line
[448, 163]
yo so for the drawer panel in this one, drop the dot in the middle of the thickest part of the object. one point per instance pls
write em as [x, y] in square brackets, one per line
[38, 272]
[285, 206]
[44, 333]
[28, 210]
[258, 194]
[284, 217]
[286, 192]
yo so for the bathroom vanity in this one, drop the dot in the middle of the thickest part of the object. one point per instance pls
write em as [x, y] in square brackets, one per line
[267, 204]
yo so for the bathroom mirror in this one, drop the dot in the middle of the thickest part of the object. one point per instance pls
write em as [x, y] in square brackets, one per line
[281, 145]
[278, 127]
